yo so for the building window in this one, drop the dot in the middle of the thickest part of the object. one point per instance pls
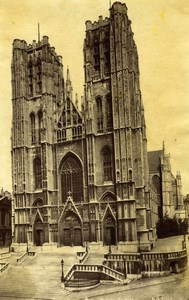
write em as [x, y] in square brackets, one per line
[39, 78]
[38, 203]
[72, 178]
[79, 131]
[96, 57]
[74, 132]
[63, 134]
[99, 114]
[33, 131]
[30, 78]
[59, 136]
[37, 173]
[109, 113]
[107, 164]
[40, 119]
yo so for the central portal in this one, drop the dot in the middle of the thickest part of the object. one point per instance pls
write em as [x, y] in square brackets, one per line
[71, 231]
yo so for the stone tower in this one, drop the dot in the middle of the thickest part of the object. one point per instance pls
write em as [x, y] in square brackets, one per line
[37, 97]
[115, 125]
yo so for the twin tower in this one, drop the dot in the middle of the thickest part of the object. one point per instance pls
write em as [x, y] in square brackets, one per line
[81, 176]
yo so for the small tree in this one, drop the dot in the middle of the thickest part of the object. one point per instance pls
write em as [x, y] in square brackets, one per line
[171, 226]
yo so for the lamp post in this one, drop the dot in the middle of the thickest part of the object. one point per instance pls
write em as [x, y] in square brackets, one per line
[125, 267]
[138, 244]
[62, 264]
[184, 242]
[27, 249]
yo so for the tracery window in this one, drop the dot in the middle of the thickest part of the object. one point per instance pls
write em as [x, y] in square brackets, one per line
[33, 131]
[37, 173]
[38, 202]
[72, 178]
[99, 114]
[109, 112]
[30, 78]
[107, 163]
[40, 119]
[39, 76]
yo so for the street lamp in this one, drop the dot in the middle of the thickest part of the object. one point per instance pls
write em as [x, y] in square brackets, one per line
[27, 249]
[62, 264]
[125, 267]
[184, 242]
[138, 244]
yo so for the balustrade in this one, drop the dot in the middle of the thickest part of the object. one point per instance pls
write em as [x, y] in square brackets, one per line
[22, 257]
[3, 267]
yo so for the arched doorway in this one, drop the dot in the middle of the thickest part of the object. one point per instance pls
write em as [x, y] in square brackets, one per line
[109, 231]
[38, 233]
[71, 231]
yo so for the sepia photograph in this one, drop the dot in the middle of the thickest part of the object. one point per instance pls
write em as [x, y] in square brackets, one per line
[94, 125]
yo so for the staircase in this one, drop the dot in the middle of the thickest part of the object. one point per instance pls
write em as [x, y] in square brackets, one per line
[37, 276]
[94, 265]
[94, 259]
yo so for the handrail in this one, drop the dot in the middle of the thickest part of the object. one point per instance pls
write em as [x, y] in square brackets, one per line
[4, 267]
[84, 257]
[145, 255]
[22, 257]
[82, 282]
[94, 269]
[31, 253]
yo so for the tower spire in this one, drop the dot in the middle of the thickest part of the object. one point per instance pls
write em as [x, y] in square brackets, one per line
[69, 88]
[38, 32]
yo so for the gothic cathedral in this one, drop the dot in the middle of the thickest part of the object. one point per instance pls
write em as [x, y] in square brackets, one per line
[81, 175]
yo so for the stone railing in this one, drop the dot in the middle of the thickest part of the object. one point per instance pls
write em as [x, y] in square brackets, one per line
[4, 255]
[113, 273]
[163, 255]
[3, 267]
[121, 257]
[82, 256]
[31, 253]
[148, 262]
[79, 268]
[82, 283]
[25, 255]
[22, 257]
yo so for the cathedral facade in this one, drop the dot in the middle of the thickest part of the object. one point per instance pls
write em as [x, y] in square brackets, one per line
[81, 175]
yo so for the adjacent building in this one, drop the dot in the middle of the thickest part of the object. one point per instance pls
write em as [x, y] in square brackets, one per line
[5, 219]
[165, 187]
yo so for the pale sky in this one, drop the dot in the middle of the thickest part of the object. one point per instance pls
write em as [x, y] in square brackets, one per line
[161, 33]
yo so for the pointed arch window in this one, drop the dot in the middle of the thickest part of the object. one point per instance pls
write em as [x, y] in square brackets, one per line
[37, 173]
[109, 115]
[38, 202]
[39, 76]
[72, 178]
[107, 163]
[40, 122]
[33, 131]
[30, 78]
[99, 114]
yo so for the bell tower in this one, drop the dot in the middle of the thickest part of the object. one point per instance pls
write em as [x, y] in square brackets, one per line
[115, 121]
[37, 97]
